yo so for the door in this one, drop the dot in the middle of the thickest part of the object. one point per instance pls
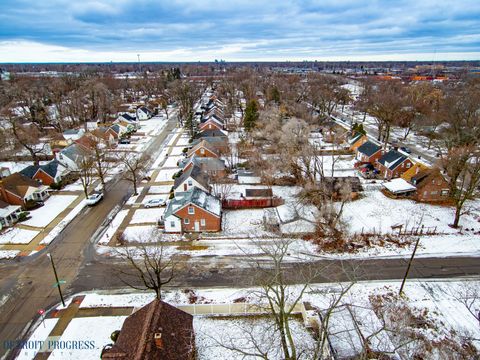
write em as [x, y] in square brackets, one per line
[197, 226]
[184, 187]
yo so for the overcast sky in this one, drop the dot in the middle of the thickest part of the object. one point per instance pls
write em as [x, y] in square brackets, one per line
[198, 30]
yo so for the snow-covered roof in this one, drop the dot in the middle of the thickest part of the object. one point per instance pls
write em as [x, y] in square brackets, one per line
[197, 197]
[398, 186]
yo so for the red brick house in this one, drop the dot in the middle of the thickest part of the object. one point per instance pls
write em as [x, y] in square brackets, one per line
[47, 174]
[210, 124]
[393, 164]
[18, 189]
[193, 211]
[156, 331]
[203, 149]
[369, 152]
[431, 186]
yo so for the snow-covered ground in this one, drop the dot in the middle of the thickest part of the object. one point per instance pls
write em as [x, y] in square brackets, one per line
[54, 205]
[141, 234]
[166, 174]
[17, 236]
[8, 254]
[376, 212]
[440, 305]
[66, 220]
[40, 334]
[147, 215]
[96, 330]
[113, 226]
[162, 189]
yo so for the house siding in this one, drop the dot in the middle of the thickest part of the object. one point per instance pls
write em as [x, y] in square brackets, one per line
[370, 159]
[10, 198]
[358, 143]
[43, 177]
[212, 222]
[431, 192]
[206, 153]
[395, 173]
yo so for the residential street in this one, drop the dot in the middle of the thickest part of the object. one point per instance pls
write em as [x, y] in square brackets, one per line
[28, 282]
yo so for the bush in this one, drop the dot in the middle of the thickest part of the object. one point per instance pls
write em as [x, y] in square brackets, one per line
[177, 174]
[172, 195]
[23, 215]
[56, 186]
[190, 140]
[185, 150]
[114, 335]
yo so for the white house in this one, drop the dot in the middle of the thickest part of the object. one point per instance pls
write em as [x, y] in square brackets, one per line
[72, 156]
[144, 113]
[193, 177]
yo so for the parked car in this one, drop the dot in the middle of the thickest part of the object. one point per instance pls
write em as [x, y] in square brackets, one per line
[124, 141]
[406, 149]
[154, 203]
[94, 199]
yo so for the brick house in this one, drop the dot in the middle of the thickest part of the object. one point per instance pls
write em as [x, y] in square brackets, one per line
[18, 189]
[203, 149]
[369, 152]
[156, 331]
[393, 164]
[431, 186]
[47, 174]
[210, 124]
[414, 170]
[193, 211]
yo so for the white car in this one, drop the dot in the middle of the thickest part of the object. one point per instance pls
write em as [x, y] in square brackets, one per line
[94, 199]
[154, 203]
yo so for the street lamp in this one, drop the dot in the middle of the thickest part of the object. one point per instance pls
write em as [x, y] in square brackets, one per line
[58, 282]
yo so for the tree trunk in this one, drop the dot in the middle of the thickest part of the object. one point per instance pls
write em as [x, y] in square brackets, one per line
[458, 212]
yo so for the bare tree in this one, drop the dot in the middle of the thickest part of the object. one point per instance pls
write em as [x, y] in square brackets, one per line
[148, 267]
[135, 168]
[86, 172]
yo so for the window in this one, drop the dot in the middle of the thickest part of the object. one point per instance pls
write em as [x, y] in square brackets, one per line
[186, 221]
[172, 224]
[190, 183]
[425, 193]
[444, 192]
[434, 193]
[408, 165]
[202, 222]
[191, 210]
[202, 151]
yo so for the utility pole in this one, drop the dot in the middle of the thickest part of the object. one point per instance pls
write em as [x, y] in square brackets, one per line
[408, 267]
[58, 282]
[139, 64]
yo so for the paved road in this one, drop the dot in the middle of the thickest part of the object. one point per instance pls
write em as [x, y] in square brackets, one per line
[29, 281]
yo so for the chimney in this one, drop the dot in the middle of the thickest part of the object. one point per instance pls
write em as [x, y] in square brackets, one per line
[158, 340]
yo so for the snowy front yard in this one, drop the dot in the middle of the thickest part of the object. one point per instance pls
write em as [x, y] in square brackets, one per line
[54, 205]
[17, 236]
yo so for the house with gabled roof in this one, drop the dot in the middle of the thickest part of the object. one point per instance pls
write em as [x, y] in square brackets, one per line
[414, 170]
[204, 149]
[357, 140]
[18, 189]
[105, 134]
[72, 156]
[210, 123]
[431, 186]
[157, 330]
[47, 174]
[368, 152]
[144, 113]
[193, 211]
[192, 177]
[214, 167]
[127, 121]
[71, 135]
[393, 164]
[9, 214]
[118, 130]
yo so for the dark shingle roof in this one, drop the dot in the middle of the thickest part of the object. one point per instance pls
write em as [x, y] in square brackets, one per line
[195, 173]
[211, 133]
[18, 184]
[51, 168]
[137, 336]
[392, 159]
[368, 148]
[128, 117]
[30, 171]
